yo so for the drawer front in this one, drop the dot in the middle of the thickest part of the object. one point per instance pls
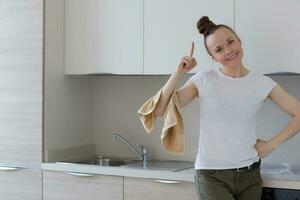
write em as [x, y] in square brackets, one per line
[76, 186]
[21, 184]
[151, 189]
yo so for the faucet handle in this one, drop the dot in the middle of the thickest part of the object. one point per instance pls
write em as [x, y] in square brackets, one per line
[145, 152]
[142, 147]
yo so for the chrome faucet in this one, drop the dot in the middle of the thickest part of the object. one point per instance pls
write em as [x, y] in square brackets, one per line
[144, 155]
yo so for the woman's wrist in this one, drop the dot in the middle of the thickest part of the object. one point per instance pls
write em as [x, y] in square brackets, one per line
[170, 86]
[274, 143]
[177, 74]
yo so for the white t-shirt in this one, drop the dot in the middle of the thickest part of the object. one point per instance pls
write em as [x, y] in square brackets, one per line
[228, 111]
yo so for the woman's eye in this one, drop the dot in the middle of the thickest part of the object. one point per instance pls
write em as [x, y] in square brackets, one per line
[218, 50]
[231, 41]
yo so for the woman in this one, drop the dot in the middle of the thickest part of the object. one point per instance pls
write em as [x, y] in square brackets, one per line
[228, 160]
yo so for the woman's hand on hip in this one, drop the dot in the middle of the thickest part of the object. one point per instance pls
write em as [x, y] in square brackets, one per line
[263, 147]
[187, 63]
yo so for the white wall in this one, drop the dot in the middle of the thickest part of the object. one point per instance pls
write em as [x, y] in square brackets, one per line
[68, 118]
[117, 99]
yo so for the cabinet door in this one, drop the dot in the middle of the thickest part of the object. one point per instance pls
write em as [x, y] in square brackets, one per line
[21, 184]
[150, 189]
[21, 66]
[171, 26]
[103, 36]
[269, 31]
[77, 186]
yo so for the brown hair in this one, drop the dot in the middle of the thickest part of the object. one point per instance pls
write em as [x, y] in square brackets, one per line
[207, 27]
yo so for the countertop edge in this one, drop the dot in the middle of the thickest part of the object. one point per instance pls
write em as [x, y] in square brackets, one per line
[183, 175]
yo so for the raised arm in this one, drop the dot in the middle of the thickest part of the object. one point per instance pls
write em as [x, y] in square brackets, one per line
[186, 93]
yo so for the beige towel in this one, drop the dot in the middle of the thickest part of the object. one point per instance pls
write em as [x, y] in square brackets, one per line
[172, 136]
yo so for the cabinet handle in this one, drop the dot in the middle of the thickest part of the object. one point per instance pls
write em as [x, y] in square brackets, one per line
[167, 181]
[80, 174]
[7, 168]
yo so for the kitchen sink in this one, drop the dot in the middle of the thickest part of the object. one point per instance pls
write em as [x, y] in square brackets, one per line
[107, 162]
[102, 161]
[131, 163]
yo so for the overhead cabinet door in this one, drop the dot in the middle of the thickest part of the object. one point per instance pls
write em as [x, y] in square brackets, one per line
[170, 27]
[103, 36]
[270, 34]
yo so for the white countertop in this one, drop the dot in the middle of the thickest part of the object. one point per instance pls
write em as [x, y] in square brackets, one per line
[184, 175]
[289, 181]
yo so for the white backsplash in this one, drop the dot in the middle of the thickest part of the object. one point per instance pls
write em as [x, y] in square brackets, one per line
[116, 101]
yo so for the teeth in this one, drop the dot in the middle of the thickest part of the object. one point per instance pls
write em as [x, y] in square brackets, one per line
[233, 56]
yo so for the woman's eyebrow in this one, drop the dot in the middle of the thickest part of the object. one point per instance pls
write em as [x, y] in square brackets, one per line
[217, 47]
[229, 37]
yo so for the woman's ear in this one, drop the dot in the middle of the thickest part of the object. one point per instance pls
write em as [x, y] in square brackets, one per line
[240, 41]
[213, 58]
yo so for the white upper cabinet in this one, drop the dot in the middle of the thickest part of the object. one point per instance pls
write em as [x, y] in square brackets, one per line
[103, 36]
[151, 36]
[269, 31]
[171, 26]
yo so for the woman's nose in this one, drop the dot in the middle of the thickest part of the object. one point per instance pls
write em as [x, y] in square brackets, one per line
[228, 51]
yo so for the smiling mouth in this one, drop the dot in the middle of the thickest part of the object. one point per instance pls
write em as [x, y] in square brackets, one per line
[233, 56]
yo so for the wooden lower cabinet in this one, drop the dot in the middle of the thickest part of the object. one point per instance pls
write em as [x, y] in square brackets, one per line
[152, 189]
[22, 184]
[76, 186]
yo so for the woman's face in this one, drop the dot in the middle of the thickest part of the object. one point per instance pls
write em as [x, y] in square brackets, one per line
[225, 47]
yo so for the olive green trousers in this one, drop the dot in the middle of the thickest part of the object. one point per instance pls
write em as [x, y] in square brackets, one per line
[228, 184]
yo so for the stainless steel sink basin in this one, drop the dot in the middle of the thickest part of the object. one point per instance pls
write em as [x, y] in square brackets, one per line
[102, 161]
[107, 162]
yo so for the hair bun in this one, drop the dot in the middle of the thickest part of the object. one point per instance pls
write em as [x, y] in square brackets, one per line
[204, 25]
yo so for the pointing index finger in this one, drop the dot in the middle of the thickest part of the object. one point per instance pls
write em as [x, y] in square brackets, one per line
[192, 49]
